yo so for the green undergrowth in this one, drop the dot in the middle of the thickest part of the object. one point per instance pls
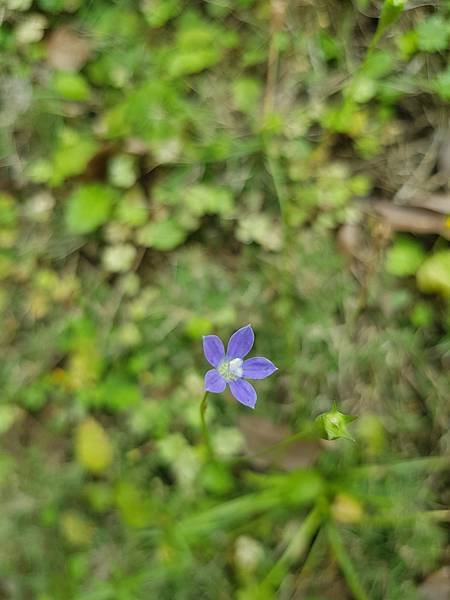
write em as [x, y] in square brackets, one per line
[171, 170]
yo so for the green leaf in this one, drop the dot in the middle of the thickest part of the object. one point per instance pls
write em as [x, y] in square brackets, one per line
[441, 85]
[197, 326]
[71, 86]
[40, 171]
[330, 46]
[19, 5]
[404, 257]
[434, 274]
[262, 229]
[70, 157]
[118, 393]
[135, 506]
[93, 448]
[205, 199]
[390, 12]
[76, 529]
[119, 258]
[378, 64]
[246, 94]
[407, 43]
[162, 235]
[422, 315]
[9, 414]
[154, 97]
[122, 171]
[192, 61]
[89, 207]
[52, 6]
[199, 45]
[433, 34]
[216, 478]
[158, 12]
[99, 496]
[8, 211]
[363, 89]
[132, 209]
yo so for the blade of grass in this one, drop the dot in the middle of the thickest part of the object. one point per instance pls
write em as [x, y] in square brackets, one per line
[433, 463]
[295, 550]
[345, 563]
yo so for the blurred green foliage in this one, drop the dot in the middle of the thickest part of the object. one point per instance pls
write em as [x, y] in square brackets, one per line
[174, 169]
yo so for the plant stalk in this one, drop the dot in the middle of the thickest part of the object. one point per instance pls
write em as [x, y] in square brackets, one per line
[205, 432]
[345, 563]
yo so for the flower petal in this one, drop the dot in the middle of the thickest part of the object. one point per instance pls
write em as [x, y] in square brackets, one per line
[244, 392]
[241, 342]
[213, 349]
[258, 368]
[214, 382]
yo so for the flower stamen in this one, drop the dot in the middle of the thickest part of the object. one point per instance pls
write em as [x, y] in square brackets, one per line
[231, 369]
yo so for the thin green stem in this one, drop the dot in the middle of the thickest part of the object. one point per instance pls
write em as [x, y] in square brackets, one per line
[205, 432]
[345, 563]
[313, 558]
[412, 465]
[438, 516]
[287, 292]
[279, 185]
[390, 12]
[278, 11]
[295, 550]
[229, 514]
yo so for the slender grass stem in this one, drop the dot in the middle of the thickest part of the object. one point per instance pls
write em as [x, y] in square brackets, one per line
[345, 563]
[390, 12]
[229, 514]
[383, 520]
[295, 550]
[278, 10]
[412, 465]
[286, 289]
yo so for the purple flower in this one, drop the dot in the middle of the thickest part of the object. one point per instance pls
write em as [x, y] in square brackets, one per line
[230, 367]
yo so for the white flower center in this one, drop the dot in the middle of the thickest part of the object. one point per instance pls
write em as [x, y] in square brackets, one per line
[231, 369]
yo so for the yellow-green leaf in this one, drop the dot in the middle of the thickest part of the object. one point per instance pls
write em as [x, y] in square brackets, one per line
[434, 274]
[93, 447]
[76, 529]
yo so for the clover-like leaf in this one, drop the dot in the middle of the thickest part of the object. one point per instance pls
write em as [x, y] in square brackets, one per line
[88, 207]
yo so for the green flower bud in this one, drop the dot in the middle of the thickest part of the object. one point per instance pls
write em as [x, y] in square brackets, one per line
[333, 425]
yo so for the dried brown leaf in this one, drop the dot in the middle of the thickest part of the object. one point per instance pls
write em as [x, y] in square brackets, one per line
[66, 50]
[350, 239]
[437, 202]
[437, 585]
[261, 434]
[444, 155]
[412, 220]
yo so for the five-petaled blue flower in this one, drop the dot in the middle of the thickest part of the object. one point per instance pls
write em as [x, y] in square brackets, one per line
[230, 367]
